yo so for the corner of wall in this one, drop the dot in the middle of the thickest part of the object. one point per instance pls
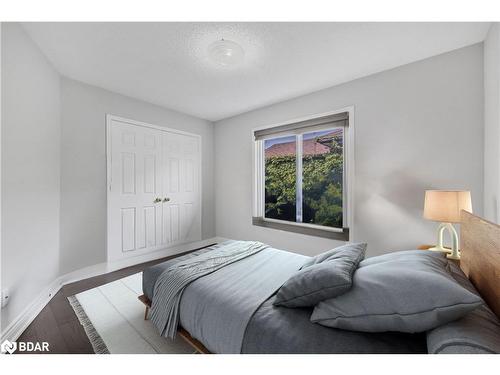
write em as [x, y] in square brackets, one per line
[491, 142]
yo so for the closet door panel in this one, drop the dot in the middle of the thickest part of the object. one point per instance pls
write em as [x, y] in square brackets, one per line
[182, 156]
[135, 184]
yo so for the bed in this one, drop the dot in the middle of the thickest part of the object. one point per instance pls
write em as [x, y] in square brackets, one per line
[218, 318]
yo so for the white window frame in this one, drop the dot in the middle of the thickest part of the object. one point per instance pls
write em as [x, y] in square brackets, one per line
[347, 189]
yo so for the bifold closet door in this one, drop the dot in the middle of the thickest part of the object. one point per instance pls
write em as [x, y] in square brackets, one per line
[181, 185]
[154, 190]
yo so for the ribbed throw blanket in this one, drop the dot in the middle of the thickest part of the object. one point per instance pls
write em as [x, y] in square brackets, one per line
[172, 282]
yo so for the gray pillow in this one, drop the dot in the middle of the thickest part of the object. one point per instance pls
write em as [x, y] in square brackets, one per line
[476, 332]
[329, 276]
[411, 292]
[349, 248]
[408, 255]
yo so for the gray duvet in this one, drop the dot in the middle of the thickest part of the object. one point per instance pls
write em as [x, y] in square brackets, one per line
[213, 311]
[170, 287]
[216, 309]
[284, 330]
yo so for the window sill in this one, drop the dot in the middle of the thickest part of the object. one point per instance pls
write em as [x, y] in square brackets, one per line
[309, 230]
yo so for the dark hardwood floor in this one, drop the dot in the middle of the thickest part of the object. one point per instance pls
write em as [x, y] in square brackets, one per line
[58, 324]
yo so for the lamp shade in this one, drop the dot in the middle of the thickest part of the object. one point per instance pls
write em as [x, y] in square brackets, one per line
[445, 205]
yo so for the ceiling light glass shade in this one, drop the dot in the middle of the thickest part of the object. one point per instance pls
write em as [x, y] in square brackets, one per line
[226, 52]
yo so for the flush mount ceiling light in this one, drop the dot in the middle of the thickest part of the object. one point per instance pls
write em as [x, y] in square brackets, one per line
[226, 52]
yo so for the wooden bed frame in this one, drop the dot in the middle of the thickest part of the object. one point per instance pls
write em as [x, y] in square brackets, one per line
[480, 261]
[198, 346]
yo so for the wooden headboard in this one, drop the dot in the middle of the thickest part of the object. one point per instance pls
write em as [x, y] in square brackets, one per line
[480, 257]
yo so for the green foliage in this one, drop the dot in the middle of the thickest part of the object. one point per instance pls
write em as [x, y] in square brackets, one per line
[280, 188]
[322, 187]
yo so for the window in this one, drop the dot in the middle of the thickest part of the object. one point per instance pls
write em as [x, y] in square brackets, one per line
[301, 176]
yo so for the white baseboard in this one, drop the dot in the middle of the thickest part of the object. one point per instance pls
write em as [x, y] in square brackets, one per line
[19, 325]
[106, 267]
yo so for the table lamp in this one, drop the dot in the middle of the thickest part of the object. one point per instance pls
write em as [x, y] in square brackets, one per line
[444, 206]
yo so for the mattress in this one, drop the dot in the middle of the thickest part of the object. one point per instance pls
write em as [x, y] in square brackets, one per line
[283, 330]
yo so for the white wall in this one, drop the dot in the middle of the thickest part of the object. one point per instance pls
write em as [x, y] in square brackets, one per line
[492, 124]
[417, 127]
[83, 173]
[30, 170]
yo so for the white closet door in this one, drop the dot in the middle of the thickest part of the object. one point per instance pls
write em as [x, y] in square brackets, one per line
[154, 191]
[135, 217]
[181, 184]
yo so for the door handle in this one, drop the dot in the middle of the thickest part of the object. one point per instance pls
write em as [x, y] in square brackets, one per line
[157, 200]
[166, 199]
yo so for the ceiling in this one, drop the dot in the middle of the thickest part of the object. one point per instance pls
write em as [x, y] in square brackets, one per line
[167, 63]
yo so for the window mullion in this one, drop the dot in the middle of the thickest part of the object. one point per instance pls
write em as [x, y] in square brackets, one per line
[298, 179]
[345, 187]
[260, 179]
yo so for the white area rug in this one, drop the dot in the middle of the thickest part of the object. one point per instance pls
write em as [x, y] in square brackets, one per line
[113, 319]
